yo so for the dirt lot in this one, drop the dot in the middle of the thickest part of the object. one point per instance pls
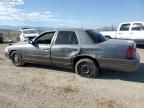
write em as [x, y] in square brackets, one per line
[35, 86]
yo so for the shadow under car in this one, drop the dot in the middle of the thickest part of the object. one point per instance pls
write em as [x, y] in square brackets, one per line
[105, 74]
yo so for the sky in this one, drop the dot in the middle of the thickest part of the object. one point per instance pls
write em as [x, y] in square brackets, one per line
[70, 13]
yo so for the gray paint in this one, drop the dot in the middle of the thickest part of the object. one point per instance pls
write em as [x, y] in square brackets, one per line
[109, 54]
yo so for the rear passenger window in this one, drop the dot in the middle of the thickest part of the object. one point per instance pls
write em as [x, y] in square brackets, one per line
[138, 27]
[96, 37]
[66, 37]
[125, 27]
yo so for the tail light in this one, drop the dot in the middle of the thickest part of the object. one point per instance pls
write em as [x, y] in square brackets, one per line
[130, 52]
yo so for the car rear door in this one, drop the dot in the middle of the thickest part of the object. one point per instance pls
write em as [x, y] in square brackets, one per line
[137, 33]
[65, 47]
[39, 51]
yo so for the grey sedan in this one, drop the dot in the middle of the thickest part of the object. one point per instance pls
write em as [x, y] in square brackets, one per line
[85, 51]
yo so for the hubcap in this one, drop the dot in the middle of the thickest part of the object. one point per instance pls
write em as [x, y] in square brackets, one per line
[85, 69]
[16, 59]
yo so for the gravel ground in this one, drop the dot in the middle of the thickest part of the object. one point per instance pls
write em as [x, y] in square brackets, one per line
[35, 86]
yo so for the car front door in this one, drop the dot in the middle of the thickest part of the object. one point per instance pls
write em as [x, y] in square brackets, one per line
[39, 50]
[66, 46]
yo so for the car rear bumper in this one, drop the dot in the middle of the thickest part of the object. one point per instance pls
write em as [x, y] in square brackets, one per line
[125, 65]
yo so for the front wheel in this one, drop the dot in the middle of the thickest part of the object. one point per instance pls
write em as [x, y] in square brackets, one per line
[17, 59]
[87, 68]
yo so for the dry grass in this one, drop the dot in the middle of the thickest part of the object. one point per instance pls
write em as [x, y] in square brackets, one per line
[11, 36]
[66, 89]
[109, 104]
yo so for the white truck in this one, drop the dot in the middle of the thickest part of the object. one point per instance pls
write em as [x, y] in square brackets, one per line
[128, 30]
[27, 34]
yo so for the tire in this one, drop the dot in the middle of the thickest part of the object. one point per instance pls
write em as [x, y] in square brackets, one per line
[108, 37]
[87, 68]
[17, 59]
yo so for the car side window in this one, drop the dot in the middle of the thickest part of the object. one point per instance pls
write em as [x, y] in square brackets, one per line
[138, 27]
[45, 38]
[95, 37]
[125, 27]
[66, 37]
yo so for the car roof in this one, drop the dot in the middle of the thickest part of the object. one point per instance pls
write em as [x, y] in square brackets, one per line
[133, 22]
[82, 35]
[66, 29]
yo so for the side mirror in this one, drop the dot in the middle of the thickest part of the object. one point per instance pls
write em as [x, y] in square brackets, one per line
[31, 42]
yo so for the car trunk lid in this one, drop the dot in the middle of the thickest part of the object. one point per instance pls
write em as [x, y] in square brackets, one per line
[122, 49]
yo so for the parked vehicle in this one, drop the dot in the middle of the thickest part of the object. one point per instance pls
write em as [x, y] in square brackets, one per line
[27, 34]
[1, 38]
[86, 51]
[129, 30]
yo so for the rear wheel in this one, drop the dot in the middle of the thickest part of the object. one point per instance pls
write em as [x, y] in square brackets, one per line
[108, 37]
[17, 59]
[87, 68]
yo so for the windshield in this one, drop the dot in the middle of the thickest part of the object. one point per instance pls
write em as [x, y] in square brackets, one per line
[30, 32]
[95, 36]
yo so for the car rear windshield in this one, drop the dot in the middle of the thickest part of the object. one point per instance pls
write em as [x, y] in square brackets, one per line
[95, 36]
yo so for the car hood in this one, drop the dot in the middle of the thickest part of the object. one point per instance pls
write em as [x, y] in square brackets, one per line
[19, 43]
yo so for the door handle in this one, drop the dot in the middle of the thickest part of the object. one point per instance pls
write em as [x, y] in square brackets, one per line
[74, 49]
[46, 49]
[131, 33]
